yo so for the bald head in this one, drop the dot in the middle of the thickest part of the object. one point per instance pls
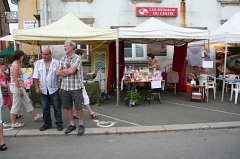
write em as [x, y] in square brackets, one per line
[47, 55]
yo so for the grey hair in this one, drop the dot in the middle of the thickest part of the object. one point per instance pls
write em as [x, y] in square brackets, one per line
[71, 43]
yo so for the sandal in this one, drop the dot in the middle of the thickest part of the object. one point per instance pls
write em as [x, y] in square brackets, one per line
[3, 147]
[94, 115]
[17, 125]
[19, 116]
[76, 117]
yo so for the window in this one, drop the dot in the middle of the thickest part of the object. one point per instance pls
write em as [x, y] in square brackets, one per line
[127, 50]
[135, 52]
[86, 52]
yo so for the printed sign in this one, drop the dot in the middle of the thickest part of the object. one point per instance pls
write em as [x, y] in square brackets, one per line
[156, 12]
[30, 24]
[27, 77]
[11, 17]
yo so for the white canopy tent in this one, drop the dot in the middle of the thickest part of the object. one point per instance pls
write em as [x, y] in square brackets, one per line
[68, 27]
[154, 31]
[229, 32]
[7, 38]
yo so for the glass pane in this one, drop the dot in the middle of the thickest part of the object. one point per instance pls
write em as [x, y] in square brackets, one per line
[127, 50]
[139, 50]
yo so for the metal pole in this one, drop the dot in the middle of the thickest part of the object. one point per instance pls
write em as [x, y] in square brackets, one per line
[224, 69]
[208, 74]
[117, 70]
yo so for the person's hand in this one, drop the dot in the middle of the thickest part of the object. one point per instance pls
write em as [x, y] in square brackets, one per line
[59, 92]
[20, 92]
[38, 91]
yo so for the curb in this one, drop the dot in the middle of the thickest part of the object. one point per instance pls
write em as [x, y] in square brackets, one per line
[125, 130]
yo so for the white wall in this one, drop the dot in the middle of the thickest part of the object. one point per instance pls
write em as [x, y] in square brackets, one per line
[199, 13]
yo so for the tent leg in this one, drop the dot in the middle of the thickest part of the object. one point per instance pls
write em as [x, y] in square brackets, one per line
[224, 70]
[117, 70]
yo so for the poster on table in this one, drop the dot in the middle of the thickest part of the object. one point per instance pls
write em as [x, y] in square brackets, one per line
[157, 50]
[27, 77]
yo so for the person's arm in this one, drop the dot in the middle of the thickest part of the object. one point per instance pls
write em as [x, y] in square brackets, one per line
[59, 90]
[158, 67]
[37, 89]
[70, 71]
[60, 72]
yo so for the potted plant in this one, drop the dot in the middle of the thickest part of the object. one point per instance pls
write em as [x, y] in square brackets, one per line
[132, 98]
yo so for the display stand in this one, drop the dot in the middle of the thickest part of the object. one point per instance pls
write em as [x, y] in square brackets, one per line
[198, 96]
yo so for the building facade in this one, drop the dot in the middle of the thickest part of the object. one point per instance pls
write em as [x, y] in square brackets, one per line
[204, 14]
[26, 20]
[4, 7]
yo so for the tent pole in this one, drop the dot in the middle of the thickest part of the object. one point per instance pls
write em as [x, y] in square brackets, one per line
[224, 70]
[15, 44]
[117, 69]
[208, 74]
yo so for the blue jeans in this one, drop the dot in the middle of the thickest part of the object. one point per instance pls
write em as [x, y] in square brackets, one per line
[55, 98]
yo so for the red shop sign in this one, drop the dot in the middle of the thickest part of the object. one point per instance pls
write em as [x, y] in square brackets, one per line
[156, 12]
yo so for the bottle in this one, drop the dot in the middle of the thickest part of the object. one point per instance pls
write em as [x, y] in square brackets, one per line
[129, 69]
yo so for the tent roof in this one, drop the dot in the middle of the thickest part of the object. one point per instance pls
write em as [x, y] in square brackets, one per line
[230, 30]
[8, 51]
[68, 27]
[7, 38]
[156, 31]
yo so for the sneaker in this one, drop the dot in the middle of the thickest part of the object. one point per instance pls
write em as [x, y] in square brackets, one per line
[81, 129]
[39, 116]
[45, 127]
[60, 127]
[70, 129]
[6, 124]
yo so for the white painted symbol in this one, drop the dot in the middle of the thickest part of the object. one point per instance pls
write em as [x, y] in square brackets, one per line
[8, 129]
[104, 124]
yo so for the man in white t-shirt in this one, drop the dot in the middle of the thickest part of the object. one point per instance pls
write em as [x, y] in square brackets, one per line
[47, 85]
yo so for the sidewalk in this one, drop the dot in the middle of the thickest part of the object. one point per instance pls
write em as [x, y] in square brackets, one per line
[174, 113]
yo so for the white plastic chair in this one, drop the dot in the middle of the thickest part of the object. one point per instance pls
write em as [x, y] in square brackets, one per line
[210, 84]
[236, 89]
[232, 76]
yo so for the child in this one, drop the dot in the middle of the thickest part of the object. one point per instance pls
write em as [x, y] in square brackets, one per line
[4, 84]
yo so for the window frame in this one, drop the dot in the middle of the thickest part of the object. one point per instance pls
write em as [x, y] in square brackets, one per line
[134, 57]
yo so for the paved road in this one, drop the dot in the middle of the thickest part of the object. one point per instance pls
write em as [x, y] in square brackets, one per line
[201, 144]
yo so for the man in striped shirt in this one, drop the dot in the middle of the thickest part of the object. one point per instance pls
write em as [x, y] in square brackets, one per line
[71, 70]
[47, 85]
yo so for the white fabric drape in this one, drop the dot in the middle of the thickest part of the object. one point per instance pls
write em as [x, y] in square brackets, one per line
[194, 56]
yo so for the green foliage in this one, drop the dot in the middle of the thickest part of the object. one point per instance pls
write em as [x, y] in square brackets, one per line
[132, 95]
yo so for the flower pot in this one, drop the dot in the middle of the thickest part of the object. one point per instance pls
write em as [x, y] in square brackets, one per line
[131, 103]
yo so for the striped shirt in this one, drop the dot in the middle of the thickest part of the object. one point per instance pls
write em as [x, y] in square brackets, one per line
[75, 81]
[48, 82]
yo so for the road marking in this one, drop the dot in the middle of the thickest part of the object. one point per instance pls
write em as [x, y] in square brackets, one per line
[118, 119]
[220, 111]
[103, 123]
